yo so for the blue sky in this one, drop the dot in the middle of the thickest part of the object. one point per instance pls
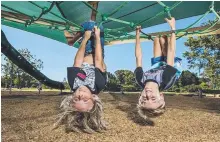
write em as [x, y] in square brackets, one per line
[58, 56]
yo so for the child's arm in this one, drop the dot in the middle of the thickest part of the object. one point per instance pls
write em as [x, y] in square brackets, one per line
[81, 51]
[172, 43]
[138, 52]
[98, 50]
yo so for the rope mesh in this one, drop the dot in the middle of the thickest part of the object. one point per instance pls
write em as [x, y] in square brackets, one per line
[106, 17]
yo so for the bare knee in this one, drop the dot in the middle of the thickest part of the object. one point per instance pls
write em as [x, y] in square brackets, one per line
[164, 45]
[156, 42]
[156, 39]
[157, 48]
[162, 40]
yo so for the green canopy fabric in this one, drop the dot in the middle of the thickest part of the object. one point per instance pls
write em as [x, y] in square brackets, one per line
[50, 19]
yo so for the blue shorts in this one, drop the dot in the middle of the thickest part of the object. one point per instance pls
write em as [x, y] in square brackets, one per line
[90, 46]
[162, 60]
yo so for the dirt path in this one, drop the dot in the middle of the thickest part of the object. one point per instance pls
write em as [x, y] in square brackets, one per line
[28, 117]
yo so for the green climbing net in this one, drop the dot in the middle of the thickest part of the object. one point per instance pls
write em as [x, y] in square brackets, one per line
[110, 34]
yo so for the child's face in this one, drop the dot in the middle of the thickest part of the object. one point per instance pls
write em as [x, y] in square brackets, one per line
[83, 99]
[151, 98]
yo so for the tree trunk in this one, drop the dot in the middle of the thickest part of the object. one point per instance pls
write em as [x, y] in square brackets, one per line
[19, 81]
[200, 93]
[10, 84]
[39, 87]
[213, 82]
[6, 82]
[11, 78]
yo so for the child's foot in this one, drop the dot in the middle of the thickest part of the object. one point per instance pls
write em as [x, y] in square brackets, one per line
[94, 4]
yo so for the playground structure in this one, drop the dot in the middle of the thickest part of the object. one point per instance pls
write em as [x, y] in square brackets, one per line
[50, 19]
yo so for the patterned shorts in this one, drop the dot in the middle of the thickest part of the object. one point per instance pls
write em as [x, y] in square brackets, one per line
[160, 61]
[90, 46]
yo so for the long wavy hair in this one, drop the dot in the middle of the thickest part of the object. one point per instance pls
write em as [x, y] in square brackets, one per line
[76, 121]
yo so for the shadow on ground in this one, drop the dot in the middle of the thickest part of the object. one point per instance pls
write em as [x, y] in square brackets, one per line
[30, 117]
[29, 94]
[128, 103]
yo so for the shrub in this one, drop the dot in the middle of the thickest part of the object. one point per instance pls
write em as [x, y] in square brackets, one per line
[129, 88]
[192, 88]
[34, 86]
[204, 85]
[211, 91]
[44, 86]
[177, 89]
[183, 89]
[112, 87]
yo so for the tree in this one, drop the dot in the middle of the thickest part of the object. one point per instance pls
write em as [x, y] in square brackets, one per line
[66, 84]
[17, 75]
[113, 83]
[16, 81]
[125, 76]
[5, 81]
[127, 80]
[204, 55]
[8, 69]
[188, 78]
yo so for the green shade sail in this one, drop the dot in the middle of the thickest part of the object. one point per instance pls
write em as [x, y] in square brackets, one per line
[50, 19]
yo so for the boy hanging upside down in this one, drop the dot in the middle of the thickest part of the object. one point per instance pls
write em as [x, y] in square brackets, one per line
[83, 109]
[164, 72]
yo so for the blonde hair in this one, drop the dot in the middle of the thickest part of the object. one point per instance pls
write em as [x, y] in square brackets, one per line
[150, 113]
[76, 121]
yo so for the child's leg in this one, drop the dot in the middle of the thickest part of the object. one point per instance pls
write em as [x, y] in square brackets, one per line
[91, 43]
[72, 39]
[164, 42]
[164, 45]
[157, 48]
[94, 4]
[158, 56]
[90, 47]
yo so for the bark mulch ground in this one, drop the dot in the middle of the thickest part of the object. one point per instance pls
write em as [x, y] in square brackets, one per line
[27, 116]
